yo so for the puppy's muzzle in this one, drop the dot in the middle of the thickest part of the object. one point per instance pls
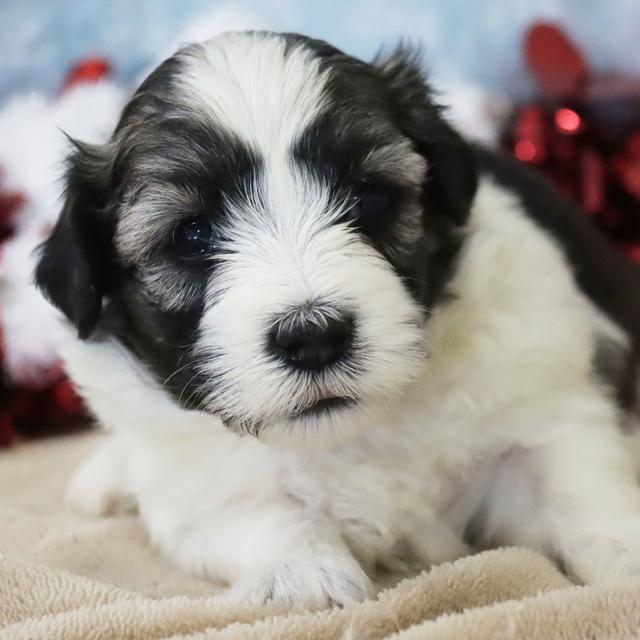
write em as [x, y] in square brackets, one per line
[311, 337]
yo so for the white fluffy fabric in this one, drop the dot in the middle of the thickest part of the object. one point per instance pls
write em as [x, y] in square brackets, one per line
[476, 112]
[32, 151]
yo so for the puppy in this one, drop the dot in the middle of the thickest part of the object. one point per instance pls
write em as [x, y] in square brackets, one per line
[329, 335]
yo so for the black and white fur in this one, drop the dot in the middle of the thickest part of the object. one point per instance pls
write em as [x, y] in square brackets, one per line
[489, 356]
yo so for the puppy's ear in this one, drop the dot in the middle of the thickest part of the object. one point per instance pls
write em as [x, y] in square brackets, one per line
[74, 263]
[452, 178]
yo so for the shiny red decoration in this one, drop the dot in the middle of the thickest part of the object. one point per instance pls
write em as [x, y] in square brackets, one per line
[583, 132]
[530, 129]
[567, 121]
[87, 71]
[626, 165]
[555, 62]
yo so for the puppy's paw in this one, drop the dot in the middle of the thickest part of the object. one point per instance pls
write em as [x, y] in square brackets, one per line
[94, 488]
[318, 577]
[610, 556]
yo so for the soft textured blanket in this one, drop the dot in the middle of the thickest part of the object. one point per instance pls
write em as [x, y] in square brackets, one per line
[69, 577]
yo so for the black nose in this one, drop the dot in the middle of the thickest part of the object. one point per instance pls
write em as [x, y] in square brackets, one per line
[312, 343]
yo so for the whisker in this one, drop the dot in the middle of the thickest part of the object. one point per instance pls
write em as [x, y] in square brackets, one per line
[186, 384]
[176, 372]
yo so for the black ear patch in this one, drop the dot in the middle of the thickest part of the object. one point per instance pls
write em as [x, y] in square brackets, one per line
[75, 262]
[452, 179]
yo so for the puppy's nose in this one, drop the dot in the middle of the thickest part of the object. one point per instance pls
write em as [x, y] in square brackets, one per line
[312, 344]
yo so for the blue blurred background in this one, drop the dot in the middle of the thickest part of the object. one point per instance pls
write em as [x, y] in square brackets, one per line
[477, 40]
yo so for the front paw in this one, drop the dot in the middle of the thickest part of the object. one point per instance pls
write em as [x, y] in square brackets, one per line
[608, 556]
[94, 488]
[318, 577]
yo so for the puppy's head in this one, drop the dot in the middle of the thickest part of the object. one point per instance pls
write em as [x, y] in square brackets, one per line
[267, 230]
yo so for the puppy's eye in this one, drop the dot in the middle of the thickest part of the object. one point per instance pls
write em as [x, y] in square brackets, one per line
[369, 200]
[194, 238]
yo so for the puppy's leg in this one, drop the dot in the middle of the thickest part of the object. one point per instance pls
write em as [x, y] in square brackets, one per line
[433, 539]
[593, 505]
[317, 571]
[270, 552]
[582, 481]
[97, 486]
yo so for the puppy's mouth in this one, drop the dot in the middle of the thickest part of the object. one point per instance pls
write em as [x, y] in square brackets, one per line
[324, 406]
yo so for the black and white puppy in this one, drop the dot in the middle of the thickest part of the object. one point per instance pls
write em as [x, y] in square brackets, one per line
[327, 334]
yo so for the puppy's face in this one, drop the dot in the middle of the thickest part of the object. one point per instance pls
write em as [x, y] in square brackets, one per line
[267, 231]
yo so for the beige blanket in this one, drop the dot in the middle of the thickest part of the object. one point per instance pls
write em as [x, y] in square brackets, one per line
[68, 577]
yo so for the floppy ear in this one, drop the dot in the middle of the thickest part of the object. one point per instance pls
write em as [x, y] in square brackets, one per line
[73, 268]
[452, 178]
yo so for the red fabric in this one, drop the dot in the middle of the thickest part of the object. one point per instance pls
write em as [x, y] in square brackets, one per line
[583, 132]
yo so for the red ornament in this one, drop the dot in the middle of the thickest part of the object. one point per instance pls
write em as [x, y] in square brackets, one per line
[583, 132]
[530, 143]
[66, 398]
[87, 71]
[555, 61]
[567, 121]
[627, 165]
[592, 173]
